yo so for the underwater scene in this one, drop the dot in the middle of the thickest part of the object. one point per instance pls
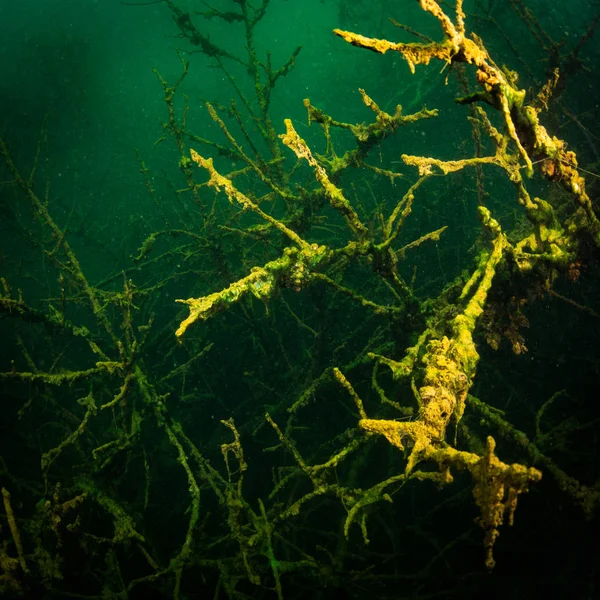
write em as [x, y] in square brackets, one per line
[299, 299]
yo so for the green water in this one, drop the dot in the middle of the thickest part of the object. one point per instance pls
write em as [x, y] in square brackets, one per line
[122, 473]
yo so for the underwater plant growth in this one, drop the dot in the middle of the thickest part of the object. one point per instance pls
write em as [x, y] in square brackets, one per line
[335, 363]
